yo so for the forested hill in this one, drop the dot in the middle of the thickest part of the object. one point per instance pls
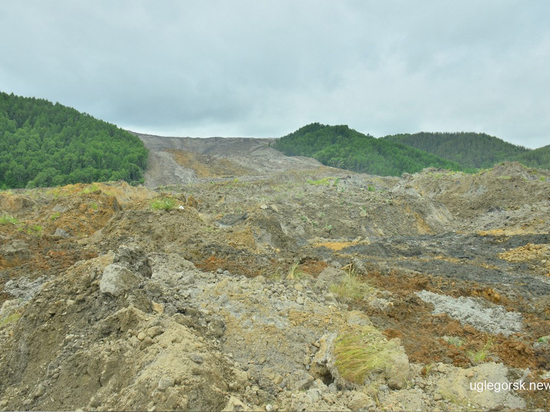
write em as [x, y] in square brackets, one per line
[46, 144]
[538, 158]
[473, 150]
[340, 146]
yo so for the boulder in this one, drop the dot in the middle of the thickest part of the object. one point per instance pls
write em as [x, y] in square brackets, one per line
[117, 280]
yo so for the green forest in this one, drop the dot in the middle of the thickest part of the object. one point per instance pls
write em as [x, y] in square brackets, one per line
[45, 144]
[538, 158]
[474, 150]
[342, 147]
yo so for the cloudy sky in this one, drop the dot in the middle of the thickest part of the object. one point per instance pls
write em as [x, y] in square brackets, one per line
[264, 68]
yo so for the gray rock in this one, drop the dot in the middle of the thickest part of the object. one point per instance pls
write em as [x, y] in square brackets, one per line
[24, 288]
[61, 233]
[299, 380]
[461, 385]
[60, 208]
[15, 250]
[134, 258]
[360, 401]
[329, 276]
[466, 310]
[117, 280]
[165, 383]
[195, 357]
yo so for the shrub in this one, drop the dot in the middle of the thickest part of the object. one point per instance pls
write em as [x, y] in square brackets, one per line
[10, 319]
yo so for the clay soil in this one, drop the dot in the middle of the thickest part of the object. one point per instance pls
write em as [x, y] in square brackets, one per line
[484, 237]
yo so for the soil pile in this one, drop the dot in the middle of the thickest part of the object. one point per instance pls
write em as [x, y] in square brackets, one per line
[245, 288]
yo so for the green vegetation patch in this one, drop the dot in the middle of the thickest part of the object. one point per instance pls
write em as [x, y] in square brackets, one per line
[474, 150]
[35, 230]
[10, 319]
[8, 220]
[165, 203]
[345, 148]
[321, 182]
[294, 273]
[480, 356]
[360, 353]
[45, 144]
[471, 150]
[352, 287]
[93, 188]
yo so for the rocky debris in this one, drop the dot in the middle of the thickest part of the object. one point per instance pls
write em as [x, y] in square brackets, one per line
[24, 289]
[117, 280]
[248, 154]
[468, 387]
[61, 233]
[329, 276]
[15, 251]
[134, 258]
[493, 320]
[164, 170]
[489, 207]
[223, 342]
[235, 301]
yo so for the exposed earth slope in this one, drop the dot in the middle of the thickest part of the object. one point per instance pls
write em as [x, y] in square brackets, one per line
[174, 160]
[252, 281]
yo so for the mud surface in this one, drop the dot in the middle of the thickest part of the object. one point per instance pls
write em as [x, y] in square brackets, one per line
[241, 279]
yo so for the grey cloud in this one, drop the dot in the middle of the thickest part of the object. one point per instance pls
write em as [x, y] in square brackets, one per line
[266, 68]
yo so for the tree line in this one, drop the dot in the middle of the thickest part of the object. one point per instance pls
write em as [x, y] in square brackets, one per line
[342, 147]
[473, 150]
[46, 144]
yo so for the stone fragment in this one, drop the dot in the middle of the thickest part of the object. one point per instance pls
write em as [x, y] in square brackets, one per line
[165, 383]
[234, 404]
[157, 307]
[361, 401]
[155, 331]
[61, 233]
[329, 276]
[117, 280]
[195, 357]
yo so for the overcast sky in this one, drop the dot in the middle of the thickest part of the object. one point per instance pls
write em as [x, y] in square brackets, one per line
[264, 68]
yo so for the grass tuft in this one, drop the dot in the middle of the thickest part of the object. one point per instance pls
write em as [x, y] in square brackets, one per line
[352, 287]
[481, 355]
[91, 189]
[10, 319]
[294, 273]
[165, 203]
[359, 354]
[8, 220]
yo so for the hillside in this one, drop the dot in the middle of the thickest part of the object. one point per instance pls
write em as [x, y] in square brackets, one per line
[473, 150]
[177, 160]
[538, 158]
[304, 289]
[46, 144]
[342, 147]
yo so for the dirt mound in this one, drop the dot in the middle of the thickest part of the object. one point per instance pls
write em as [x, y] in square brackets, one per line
[313, 289]
[180, 160]
[491, 201]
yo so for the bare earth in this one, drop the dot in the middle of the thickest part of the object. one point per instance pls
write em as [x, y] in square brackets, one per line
[265, 277]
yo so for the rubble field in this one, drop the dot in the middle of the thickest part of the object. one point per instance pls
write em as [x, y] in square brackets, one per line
[252, 281]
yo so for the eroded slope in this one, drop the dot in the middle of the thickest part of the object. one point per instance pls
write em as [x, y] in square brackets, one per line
[256, 292]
